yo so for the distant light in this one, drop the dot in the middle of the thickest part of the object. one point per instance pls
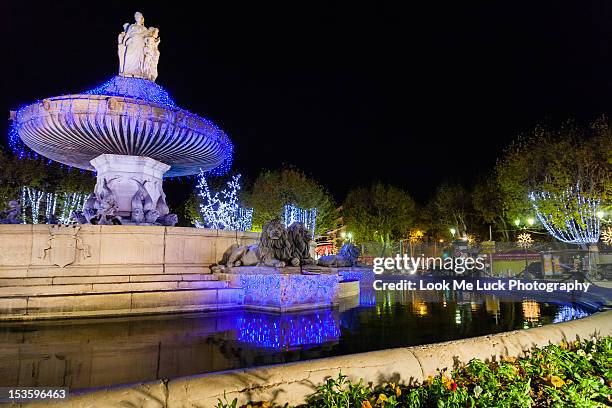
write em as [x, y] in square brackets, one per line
[452, 231]
[517, 222]
[530, 221]
[600, 214]
[441, 240]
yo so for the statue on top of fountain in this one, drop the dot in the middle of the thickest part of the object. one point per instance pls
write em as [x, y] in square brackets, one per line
[137, 47]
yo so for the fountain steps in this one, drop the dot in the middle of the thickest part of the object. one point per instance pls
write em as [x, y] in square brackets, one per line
[83, 288]
[76, 279]
[112, 270]
[119, 302]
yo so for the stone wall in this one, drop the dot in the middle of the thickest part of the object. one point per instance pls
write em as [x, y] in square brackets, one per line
[53, 271]
[292, 382]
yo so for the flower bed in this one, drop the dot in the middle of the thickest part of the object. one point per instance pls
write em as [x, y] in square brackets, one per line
[575, 374]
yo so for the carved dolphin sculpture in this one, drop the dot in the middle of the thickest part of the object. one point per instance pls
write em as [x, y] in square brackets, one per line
[142, 198]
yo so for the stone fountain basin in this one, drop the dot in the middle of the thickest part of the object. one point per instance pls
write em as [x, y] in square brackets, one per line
[75, 129]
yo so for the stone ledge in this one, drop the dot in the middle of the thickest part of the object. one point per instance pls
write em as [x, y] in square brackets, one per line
[348, 289]
[108, 287]
[152, 246]
[119, 304]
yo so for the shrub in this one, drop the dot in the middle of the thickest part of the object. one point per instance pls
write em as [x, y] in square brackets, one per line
[575, 374]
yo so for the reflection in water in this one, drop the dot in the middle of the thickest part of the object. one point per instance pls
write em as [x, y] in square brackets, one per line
[567, 313]
[492, 305]
[531, 312]
[99, 352]
[289, 330]
[419, 308]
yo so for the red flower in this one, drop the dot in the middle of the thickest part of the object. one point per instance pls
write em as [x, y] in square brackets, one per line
[453, 386]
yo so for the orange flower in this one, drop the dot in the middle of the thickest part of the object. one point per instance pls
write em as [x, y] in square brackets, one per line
[366, 404]
[447, 382]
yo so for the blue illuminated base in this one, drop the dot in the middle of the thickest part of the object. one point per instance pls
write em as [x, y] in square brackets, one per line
[289, 289]
[365, 275]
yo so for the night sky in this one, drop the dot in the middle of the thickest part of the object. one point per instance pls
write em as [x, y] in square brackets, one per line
[409, 96]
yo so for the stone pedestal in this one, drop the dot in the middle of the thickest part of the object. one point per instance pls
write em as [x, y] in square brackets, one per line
[125, 174]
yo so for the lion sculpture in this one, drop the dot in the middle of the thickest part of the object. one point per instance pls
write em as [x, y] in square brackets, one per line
[299, 236]
[278, 247]
[347, 256]
[275, 246]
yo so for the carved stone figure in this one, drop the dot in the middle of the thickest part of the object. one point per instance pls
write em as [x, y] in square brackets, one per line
[79, 217]
[11, 215]
[90, 209]
[275, 246]
[151, 54]
[274, 249]
[137, 50]
[101, 208]
[161, 206]
[142, 198]
[106, 206]
[245, 255]
[143, 210]
[62, 244]
[300, 243]
[138, 215]
[107, 214]
[347, 256]
[169, 220]
[151, 216]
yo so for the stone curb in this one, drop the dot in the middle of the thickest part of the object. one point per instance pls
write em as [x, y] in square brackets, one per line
[292, 382]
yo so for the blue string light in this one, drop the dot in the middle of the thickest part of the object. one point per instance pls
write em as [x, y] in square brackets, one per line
[131, 88]
[136, 88]
[292, 213]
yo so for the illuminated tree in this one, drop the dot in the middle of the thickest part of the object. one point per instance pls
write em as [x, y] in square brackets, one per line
[221, 210]
[307, 217]
[569, 217]
[273, 189]
[562, 175]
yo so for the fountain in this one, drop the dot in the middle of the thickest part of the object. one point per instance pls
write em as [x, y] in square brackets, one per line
[127, 257]
[129, 131]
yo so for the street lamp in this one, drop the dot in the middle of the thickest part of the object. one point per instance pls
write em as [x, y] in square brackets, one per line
[452, 231]
[517, 222]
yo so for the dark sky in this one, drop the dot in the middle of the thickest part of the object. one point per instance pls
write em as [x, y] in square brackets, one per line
[410, 96]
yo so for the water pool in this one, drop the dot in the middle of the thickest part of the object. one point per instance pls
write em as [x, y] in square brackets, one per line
[88, 353]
